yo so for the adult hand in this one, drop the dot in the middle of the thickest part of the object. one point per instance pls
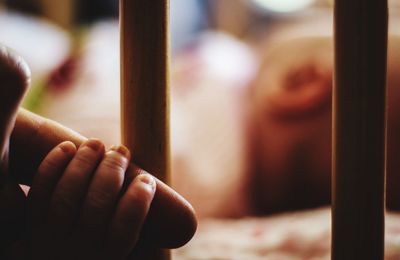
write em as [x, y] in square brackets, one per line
[14, 78]
[171, 217]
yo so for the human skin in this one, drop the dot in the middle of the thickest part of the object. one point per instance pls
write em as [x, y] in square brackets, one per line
[292, 127]
[41, 134]
[99, 222]
[25, 139]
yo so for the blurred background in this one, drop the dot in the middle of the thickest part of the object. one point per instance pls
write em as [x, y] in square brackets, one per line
[251, 84]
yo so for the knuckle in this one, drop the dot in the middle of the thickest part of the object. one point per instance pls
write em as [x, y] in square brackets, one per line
[128, 218]
[124, 219]
[48, 164]
[97, 199]
[114, 163]
[140, 199]
[62, 204]
[135, 209]
[84, 161]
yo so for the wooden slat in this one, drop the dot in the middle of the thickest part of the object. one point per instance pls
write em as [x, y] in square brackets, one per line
[359, 129]
[144, 92]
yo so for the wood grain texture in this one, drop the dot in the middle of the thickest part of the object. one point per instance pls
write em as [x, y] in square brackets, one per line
[359, 104]
[144, 90]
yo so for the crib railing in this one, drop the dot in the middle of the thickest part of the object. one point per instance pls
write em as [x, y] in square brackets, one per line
[359, 128]
[359, 114]
[145, 91]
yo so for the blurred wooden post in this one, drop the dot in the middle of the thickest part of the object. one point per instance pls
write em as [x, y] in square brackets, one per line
[359, 102]
[60, 11]
[144, 90]
[232, 16]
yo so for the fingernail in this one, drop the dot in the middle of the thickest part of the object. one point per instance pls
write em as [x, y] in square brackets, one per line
[67, 147]
[94, 144]
[147, 179]
[121, 150]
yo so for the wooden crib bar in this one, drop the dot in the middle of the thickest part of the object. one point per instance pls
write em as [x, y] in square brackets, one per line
[144, 90]
[359, 114]
[359, 104]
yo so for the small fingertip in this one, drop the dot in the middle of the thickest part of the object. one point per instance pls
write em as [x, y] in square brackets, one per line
[121, 149]
[67, 147]
[94, 144]
[147, 180]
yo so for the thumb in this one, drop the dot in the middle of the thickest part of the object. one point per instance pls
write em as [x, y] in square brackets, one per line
[14, 82]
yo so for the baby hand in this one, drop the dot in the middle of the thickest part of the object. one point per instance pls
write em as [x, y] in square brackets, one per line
[78, 210]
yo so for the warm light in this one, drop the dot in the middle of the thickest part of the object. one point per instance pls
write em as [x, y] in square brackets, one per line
[283, 6]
